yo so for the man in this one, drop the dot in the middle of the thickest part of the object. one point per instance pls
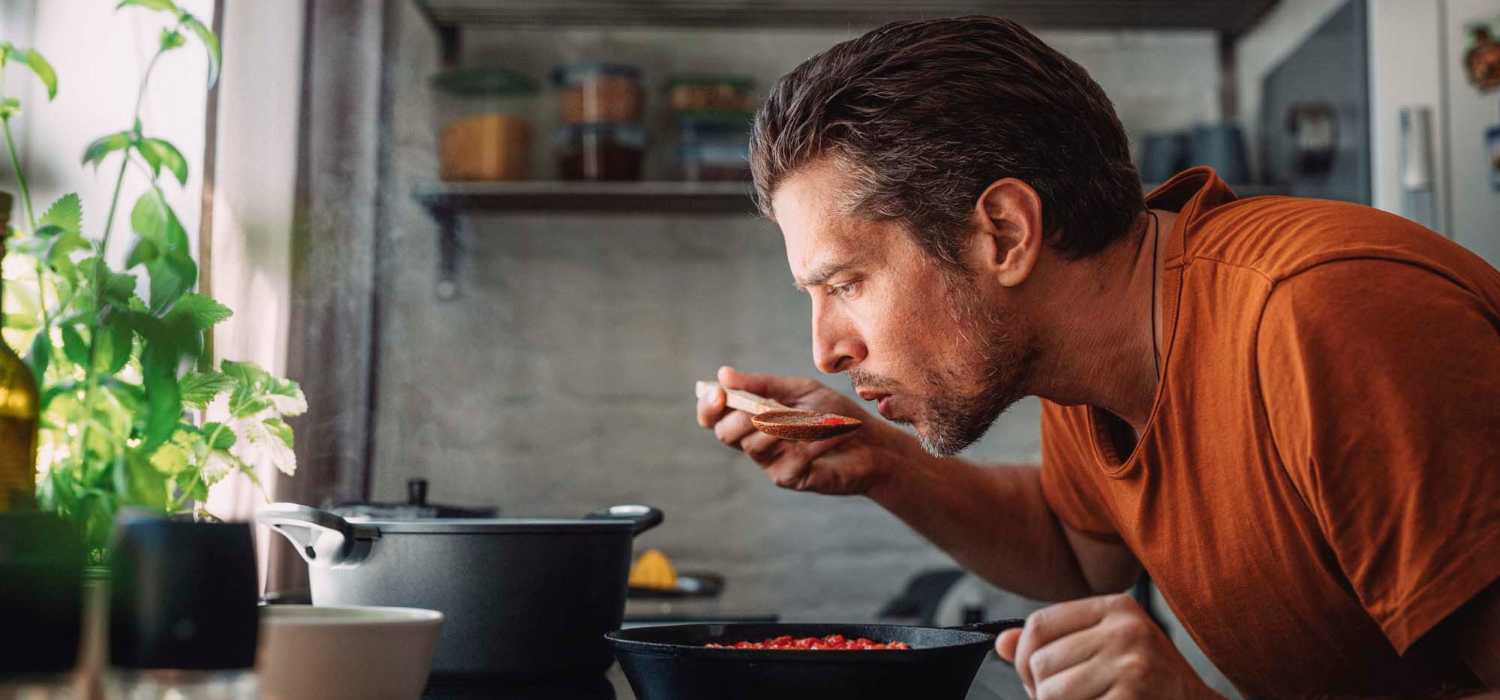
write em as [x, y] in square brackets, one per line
[1286, 410]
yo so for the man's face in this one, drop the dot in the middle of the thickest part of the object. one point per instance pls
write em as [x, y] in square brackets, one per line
[931, 344]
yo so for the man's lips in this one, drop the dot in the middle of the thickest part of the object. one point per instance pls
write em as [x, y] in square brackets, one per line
[882, 400]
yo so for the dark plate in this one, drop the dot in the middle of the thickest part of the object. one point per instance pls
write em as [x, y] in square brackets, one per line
[689, 585]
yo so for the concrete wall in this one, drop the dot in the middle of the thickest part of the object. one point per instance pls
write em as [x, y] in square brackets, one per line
[561, 379]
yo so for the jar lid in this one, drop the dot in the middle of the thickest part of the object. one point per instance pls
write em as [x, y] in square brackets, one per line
[484, 82]
[742, 83]
[576, 72]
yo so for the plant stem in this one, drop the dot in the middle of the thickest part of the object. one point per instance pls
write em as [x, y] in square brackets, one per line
[15, 163]
[41, 284]
[99, 263]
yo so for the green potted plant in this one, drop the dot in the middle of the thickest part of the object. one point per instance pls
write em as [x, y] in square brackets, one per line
[133, 411]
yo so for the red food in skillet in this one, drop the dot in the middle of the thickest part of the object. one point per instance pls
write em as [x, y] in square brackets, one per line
[832, 642]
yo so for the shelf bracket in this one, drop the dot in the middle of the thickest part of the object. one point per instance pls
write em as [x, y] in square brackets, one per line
[449, 249]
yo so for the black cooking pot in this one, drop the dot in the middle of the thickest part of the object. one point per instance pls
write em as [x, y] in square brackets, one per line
[672, 663]
[523, 597]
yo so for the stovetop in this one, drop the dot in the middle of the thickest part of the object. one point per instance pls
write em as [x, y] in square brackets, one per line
[995, 681]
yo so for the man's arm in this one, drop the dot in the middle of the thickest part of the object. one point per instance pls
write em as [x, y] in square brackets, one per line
[995, 522]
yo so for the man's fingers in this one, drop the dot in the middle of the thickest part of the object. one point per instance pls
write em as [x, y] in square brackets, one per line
[762, 448]
[1052, 623]
[1005, 644]
[711, 408]
[789, 471]
[1061, 656]
[1084, 680]
[733, 428]
[771, 386]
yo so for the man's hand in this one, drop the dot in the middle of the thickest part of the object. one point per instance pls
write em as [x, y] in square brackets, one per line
[845, 465]
[1098, 647]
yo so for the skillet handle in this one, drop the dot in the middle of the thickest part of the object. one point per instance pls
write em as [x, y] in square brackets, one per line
[645, 517]
[994, 627]
[320, 537]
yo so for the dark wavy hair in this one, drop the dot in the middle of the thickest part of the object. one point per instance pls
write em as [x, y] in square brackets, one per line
[925, 115]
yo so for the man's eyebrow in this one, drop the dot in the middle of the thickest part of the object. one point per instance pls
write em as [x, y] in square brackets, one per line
[822, 273]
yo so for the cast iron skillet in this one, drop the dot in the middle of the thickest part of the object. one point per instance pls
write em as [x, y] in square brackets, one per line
[671, 663]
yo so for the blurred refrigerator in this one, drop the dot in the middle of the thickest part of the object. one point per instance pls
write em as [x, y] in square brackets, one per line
[1434, 85]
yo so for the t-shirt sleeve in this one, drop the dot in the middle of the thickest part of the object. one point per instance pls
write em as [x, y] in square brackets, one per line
[1381, 383]
[1067, 485]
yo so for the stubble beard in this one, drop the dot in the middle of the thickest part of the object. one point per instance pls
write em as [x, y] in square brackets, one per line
[965, 401]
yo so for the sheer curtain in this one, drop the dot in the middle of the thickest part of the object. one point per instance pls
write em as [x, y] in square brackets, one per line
[252, 201]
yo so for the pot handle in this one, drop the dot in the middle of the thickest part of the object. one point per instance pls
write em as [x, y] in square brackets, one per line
[645, 517]
[992, 627]
[320, 537]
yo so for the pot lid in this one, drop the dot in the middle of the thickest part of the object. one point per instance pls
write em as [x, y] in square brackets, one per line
[495, 526]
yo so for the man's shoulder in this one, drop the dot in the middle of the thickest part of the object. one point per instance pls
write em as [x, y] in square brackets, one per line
[1280, 238]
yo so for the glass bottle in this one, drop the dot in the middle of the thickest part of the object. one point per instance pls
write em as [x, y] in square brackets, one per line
[18, 413]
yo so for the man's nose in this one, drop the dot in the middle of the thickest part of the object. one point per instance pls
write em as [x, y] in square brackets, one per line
[836, 345]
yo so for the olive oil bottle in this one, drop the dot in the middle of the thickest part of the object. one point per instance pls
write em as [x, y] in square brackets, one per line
[18, 413]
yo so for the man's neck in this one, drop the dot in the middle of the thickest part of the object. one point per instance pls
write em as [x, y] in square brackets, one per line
[1097, 326]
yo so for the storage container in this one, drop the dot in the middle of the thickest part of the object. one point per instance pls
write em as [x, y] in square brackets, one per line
[596, 93]
[488, 134]
[600, 151]
[697, 93]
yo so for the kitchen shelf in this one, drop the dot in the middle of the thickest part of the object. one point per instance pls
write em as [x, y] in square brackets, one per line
[617, 197]
[449, 202]
[450, 17]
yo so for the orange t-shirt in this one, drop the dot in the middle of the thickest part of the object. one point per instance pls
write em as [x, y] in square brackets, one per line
[1319, 482]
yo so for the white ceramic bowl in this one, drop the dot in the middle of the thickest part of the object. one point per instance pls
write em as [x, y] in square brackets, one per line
[331, 653]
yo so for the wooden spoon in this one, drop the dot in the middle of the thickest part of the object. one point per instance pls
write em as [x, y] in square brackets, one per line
[779, 420]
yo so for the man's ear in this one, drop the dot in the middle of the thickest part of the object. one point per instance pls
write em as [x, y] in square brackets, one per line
[1009, 235]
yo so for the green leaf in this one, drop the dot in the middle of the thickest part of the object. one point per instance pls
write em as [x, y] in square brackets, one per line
[42, 69]
[200, 388]
[202, 310]
[247, 374]
[105, 145]
[74, 348]
[66, 213]
[153, 219]
[171, 39]
[40, 356]
[281, 430]
[9, 107]
[172, 270]
[159, 5]
[158, 152]
[210, 44]
[190, 482]
[163, 394]
[118, 286]
[143, 251]
[223, 438]
[171, 276]
[138, 483]
[113, 346]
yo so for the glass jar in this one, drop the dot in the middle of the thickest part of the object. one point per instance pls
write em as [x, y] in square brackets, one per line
[600, 151]
[597, 93]
[715, 147]
[718, 93]
[487, 135]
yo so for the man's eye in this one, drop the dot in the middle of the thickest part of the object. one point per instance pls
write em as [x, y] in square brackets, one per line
[843, 290]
